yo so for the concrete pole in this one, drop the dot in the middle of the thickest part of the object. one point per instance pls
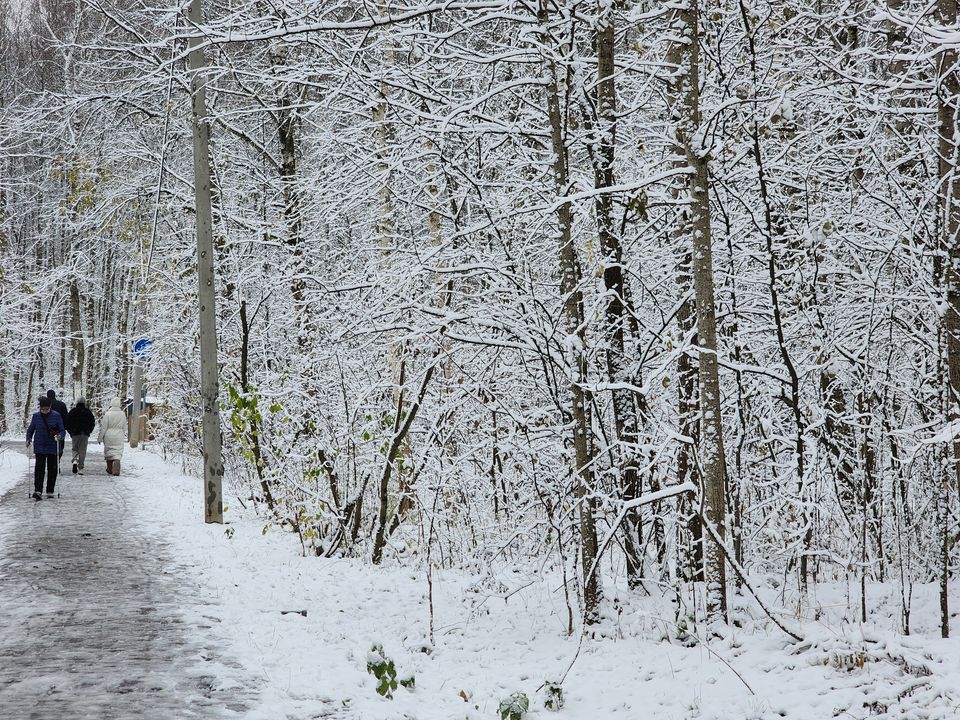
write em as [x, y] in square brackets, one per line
[209, 381]
[136, 408]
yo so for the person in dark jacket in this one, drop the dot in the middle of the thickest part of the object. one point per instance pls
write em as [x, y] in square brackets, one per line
[79, 424]
[58, 406]
[45, 431]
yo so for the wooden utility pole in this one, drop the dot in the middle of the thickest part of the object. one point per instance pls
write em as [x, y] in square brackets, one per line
[209, 382]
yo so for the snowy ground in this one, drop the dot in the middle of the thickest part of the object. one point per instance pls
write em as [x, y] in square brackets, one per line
[12, 464]
[507, 634]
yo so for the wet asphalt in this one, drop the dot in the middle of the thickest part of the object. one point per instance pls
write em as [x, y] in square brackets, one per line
[96, 619]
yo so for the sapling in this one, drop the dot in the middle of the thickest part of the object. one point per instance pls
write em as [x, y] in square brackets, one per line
[514, 707]
[383, 669]
[553, 695]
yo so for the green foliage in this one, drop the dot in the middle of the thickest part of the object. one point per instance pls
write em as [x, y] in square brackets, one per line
[383, 669]
[313, 523]
[244, 416]
[242, 406]
[514, 707]
[553, 696]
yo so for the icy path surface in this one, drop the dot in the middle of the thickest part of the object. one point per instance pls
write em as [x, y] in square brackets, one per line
[98, 620]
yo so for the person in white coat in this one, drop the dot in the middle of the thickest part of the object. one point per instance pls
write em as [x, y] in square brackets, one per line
[113, 432]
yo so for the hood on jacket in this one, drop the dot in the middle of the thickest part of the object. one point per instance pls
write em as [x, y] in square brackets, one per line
[115, 404]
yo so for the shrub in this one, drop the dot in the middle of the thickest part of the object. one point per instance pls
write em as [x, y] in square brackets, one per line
[553, 696]
[514, 707]
[383, 669]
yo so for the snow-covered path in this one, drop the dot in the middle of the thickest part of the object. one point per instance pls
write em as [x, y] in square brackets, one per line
[93, 612]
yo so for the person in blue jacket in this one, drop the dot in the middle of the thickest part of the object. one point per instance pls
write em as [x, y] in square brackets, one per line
[45, 431]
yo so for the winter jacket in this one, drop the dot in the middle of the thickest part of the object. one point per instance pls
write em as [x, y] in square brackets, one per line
[113, 431]
[80, 421]
[59, 406]
[43, 443]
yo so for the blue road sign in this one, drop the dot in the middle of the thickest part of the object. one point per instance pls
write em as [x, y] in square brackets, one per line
[142, 347]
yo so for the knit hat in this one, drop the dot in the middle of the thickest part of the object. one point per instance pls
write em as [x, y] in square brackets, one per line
[51, 394]
[81, 401]
[44, 402]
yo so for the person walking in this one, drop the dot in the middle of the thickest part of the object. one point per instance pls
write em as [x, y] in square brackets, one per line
[113, 428]
[60, 407]
[45, 431]
[79, 424]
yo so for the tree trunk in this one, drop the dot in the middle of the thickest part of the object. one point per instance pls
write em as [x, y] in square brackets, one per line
[95, 360]
[773, 229]
[76, 340]
[254, 430]
[685, 100]
[948, 96]
[62, 375]
[28, 401]
[615, 326]
[402, 423]
[123, 348]
[396, 354]
[286, 119]
[688, 408]
[578, 410]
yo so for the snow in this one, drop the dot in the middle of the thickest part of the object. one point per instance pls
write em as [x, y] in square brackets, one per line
[305, 627]
[13, 465]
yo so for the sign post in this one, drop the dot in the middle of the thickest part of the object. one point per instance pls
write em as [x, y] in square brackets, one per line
[141, 349]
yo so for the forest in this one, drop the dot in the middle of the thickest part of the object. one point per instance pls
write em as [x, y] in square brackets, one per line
[656, 296]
